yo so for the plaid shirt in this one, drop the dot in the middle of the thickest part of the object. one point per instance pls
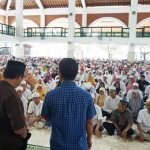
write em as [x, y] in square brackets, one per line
[68, 107]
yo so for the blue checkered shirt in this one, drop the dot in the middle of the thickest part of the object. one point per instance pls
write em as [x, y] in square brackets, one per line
[68, 107]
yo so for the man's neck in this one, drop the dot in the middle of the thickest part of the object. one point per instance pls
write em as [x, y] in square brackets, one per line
[10, 81]
[113, 96]
[149, 111]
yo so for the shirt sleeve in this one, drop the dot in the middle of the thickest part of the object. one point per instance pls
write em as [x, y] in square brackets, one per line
[139, 119]
[106, 106]
[99, 114]
[30, 110]
[14, 111]
[113, 117]
[46, 110]
[130, 119]
[30, 95]
[91, 112]
[147, 90]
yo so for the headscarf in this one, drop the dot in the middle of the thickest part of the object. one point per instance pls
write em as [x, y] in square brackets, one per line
[135, 104]
[129, 86]
[42, 93]
[1, 76]
[31, 79]
[101, 98]
[117, 89]
[48, 78]
[43, 84]
[90, 78]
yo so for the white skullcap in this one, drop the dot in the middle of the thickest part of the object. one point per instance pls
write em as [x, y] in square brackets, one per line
[19, 88]
[93, 96]
[99, 78]
[125, 66]
[36, 71]
[100, 71]
[118, 77]
[134, 69]
[112, 88]
[87, 69]
[35, 94]
[136, 84]
[23, 82]
[87, 86]
[131, 77]
[105, 76]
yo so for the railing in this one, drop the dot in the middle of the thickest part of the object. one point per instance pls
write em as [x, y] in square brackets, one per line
[7, 29]
[143, 32]
[79, 32]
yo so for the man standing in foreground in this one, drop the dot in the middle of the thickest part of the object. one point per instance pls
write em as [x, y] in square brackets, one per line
[13, 133]
[70, 110]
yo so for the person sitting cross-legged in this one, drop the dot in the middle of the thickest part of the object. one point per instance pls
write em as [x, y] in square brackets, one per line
[122, 121]
[33, 117]
[143, 123]
[97, 119]
[111, 102]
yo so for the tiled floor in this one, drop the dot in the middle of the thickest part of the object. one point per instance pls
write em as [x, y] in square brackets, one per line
[41, 138]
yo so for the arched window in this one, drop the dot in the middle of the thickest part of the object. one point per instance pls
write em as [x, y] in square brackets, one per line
[27, 24]
[144, 23]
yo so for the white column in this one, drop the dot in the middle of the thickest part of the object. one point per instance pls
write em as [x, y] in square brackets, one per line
[19, 49]
[71, 28]
[6, 19]
[84, 19]
[132, 26]
[19, 18]
[42, 19]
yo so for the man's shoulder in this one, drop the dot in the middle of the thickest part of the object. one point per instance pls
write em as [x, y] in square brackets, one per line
[28, 91]
[143, 111]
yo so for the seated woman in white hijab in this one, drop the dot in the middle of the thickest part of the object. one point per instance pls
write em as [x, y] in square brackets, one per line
[147, 76]
[123, 76]
[100, 79]
[53, 83]
[33, 117]
[36, 75]
[109, 76]
[101, 97]
[135, 104]
[143, 121]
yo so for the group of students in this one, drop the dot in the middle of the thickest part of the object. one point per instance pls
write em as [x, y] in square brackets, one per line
[118, 88]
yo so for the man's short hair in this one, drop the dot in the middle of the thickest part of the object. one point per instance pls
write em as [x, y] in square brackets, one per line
[123, 102]
[68, 68]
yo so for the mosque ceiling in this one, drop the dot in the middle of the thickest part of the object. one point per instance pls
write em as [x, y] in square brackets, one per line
[31, 4]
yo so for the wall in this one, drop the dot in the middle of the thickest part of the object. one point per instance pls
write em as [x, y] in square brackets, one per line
[124, 17]
[36, 19]
[3, 19]
[142, 16]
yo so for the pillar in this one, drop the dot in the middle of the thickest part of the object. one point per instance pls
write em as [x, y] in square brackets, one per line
[42, 20]
[71, 28]
[84, 19]
[19, 18]
[19, 50]
[132, 26]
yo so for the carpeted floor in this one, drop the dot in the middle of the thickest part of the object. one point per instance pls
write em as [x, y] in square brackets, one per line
[41, 138]
[35, 147]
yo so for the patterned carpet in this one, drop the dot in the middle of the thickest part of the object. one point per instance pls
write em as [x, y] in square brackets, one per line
[35, 147]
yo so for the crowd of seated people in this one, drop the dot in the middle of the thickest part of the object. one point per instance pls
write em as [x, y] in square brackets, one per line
[120, 92]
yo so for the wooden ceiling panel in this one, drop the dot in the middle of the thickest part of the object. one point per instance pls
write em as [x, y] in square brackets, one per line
[144, 2]
[3, 4]
[94, 3]
[27, 4]
[58, 3]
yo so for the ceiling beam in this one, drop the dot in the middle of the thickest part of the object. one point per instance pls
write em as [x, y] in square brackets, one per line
[40, 4]
[83, 4]
[8, 5]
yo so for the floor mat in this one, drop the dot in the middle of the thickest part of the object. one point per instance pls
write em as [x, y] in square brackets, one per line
[36, 147]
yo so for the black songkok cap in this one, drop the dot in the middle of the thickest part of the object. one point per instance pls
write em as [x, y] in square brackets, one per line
[124, 102]
[16, 66]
